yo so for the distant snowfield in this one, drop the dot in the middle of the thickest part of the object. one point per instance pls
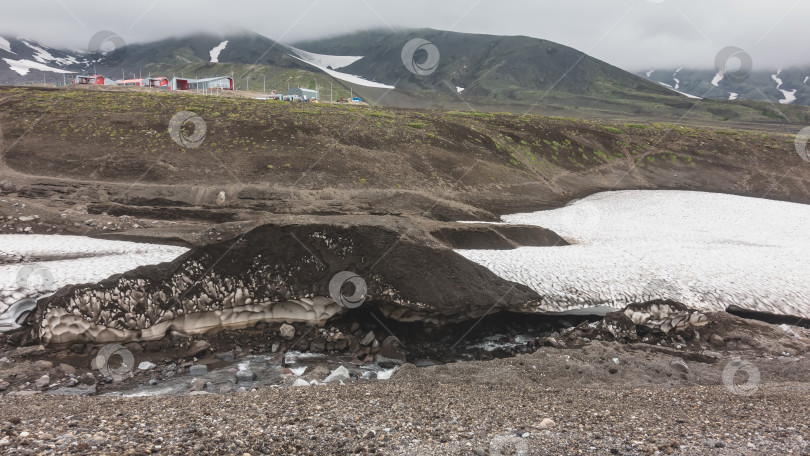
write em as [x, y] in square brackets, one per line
[51, 262]
[707, 250]
[733, 95]
[717, 78]
[329, 63]
[5, 45]
[22, 67]
[214, 53]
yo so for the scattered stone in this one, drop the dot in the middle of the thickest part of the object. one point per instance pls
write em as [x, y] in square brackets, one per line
[67, 369]
[368, 339]
[717, 341]
[300, 382]
[679, 365]
[546, 423]
[613, 370]
[390, 356]
[83, 390]
[225, 389]
[246, 375]
[228, 357]
[287, 331]
[318, 345]
[197, 384]
[153, 382]
[391, 341]
[28, 351]
[43, 382]
[197, 347]
[274, 348]
[338, 375]
[198, 369]
[221, 199]
[319, 372]
[4, 385]
[146, 365]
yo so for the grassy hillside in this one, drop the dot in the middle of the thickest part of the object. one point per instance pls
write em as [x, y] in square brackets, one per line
[495, 161]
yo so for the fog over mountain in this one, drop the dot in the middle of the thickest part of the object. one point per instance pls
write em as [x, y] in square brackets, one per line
[633, 34]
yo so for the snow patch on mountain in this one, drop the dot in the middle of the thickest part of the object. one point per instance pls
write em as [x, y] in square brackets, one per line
[6, 46]
[717, 78]
[688, 95]
[733, 95]
[649, 73]
[806, 78]
[674, 78]
[459, 89]
[790, 95]
[216, 51]
[43, 56]
[334, 62]
[326, 63]
[22, 67]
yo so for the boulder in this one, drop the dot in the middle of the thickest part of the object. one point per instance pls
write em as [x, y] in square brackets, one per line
[338, 375]
[368, 339]
[198, 347]
[390, 356]
[43, 382]
[287, 331]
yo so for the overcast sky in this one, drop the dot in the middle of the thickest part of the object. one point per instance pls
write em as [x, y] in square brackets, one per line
[632, 34]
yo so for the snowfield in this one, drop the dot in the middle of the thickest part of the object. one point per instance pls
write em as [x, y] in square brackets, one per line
[32, 265]
[709, 251]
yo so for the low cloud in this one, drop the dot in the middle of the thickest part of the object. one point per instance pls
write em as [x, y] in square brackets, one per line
[632, 34]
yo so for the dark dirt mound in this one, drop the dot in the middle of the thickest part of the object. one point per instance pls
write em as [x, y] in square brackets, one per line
[407, 277]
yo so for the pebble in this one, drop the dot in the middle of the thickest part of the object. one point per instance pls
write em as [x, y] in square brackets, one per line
[146, 365]
[546, 423]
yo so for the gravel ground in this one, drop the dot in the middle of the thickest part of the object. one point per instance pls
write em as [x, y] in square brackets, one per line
[549, 402]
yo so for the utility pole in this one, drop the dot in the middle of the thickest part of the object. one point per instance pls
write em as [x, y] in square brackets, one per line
[122, 73]
[264, 84]
[248, 84]
[330, 92]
